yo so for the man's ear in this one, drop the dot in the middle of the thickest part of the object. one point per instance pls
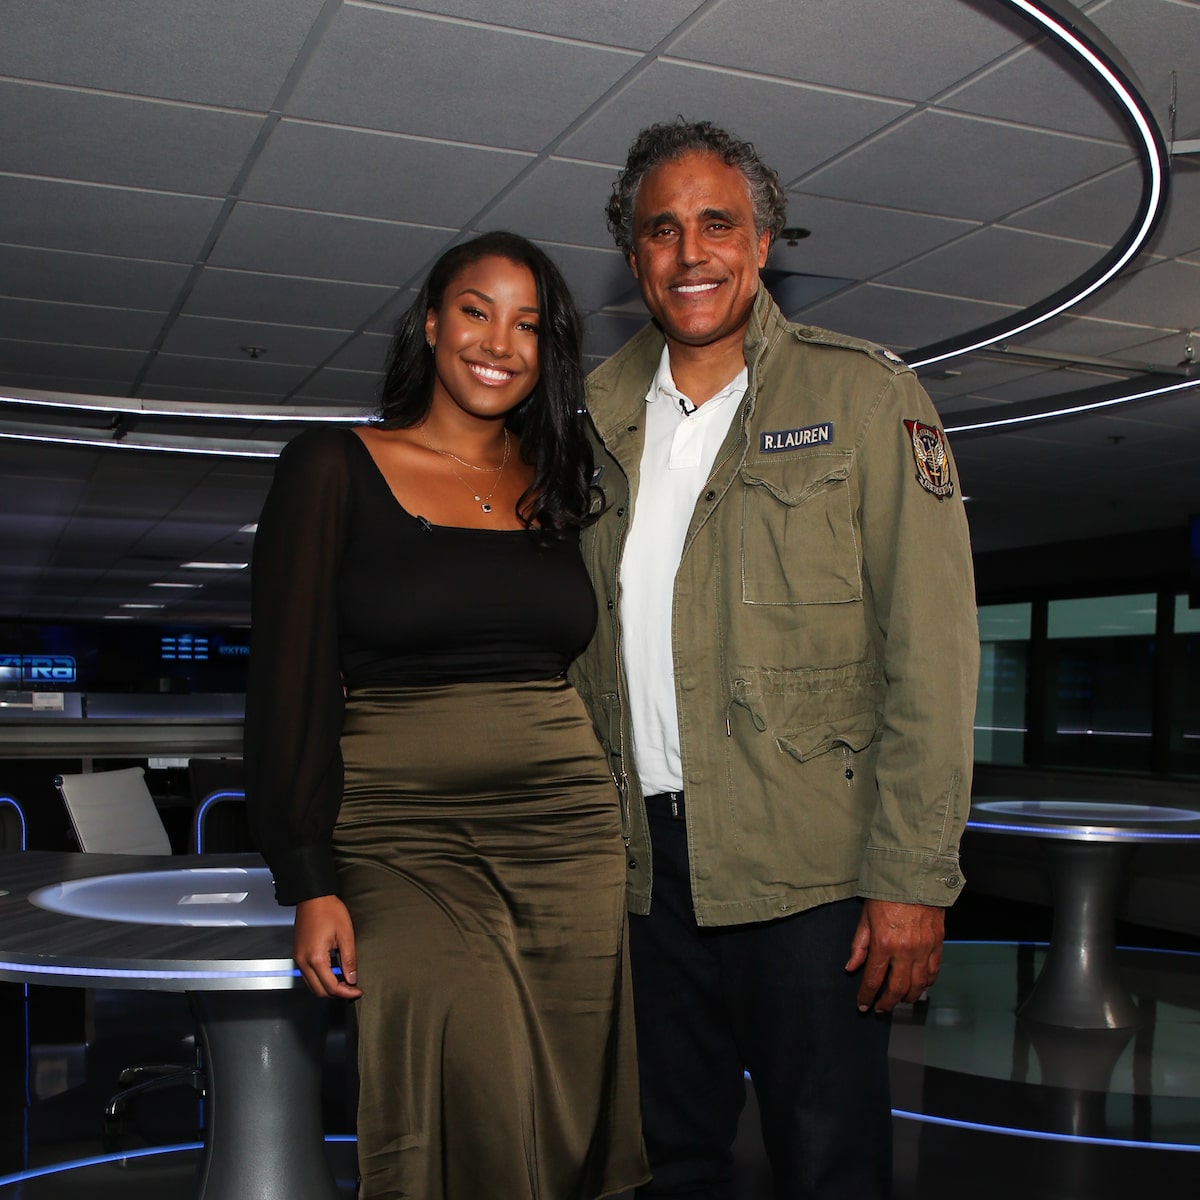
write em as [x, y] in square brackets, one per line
[633, 265]
[764, 247]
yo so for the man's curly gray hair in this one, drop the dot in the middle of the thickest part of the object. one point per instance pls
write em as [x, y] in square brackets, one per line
[670, 140]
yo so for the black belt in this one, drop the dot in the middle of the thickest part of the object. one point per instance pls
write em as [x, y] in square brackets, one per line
[669, 803]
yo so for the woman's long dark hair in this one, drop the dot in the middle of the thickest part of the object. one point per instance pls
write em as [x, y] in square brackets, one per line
[549, 420]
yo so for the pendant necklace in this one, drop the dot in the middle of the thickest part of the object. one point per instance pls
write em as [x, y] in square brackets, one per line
[484, 502]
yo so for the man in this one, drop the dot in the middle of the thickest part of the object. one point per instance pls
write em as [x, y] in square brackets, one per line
[784, 679]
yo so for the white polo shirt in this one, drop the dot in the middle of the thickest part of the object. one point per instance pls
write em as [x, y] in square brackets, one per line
[681, 446]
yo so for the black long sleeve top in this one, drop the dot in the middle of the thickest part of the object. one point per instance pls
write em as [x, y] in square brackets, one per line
[350, 590]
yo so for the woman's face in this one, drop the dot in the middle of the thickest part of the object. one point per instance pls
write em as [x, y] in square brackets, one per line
[485, 338]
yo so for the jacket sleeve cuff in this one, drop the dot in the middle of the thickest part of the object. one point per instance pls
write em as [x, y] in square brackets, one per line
[910, 876]
[302, 873]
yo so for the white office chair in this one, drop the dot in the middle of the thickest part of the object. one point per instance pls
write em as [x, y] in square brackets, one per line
[112, 812]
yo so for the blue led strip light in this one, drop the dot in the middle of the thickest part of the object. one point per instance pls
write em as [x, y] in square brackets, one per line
[121, 973]
[1043, 1135]
[100, 1160]
[9, 802]
[1079, 833]
[205, 805]
[1079, 37]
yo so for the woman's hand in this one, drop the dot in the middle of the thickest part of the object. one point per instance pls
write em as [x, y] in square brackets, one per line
[323, 925]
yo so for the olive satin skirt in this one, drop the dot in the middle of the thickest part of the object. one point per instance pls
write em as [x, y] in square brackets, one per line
[480, 855]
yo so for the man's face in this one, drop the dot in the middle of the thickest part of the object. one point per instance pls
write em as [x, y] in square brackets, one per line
[695, 251]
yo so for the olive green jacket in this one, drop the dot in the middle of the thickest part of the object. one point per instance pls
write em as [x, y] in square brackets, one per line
[824, 632]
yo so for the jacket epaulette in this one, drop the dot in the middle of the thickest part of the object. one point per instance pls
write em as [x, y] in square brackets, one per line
[827, 337]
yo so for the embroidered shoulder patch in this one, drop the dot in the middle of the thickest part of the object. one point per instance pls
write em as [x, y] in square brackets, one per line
[933, 463]
[775, 441]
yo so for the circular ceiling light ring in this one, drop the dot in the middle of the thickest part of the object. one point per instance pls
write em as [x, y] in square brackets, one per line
[1071, 29]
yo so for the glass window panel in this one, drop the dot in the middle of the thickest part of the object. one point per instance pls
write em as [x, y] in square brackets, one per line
[1099, 701]
[1102, 617]
[1187, 620]
[1000, 703]
[1004, 622]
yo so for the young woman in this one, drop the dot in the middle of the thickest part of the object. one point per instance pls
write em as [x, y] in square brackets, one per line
[423, 781]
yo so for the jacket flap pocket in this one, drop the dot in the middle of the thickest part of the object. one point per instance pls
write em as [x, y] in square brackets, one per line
[794, 480]
[855, 732]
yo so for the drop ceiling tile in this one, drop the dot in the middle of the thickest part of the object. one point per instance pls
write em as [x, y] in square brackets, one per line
[335, 169]
[79, 325]
[377, 69]
[1044, 385]
[104, 220]
[56, 382]
[198, 395]
[216, 338]
[859, 240]
[366, 352]
[848, 45]
[999, 265]
[1045, 86]
[1165, 294]
[609, 22]
[1098, 210]
[260, 376]
[281, 299]
[1156, 38]
[972, 375]
[41, 358]
[558, 201]
[56, 133]
[68, 278]
[795, 128]
[595, 277]
[1088, 336]
[900, 319]
[356, 389]
[286, 241]
[225, 52]
[963, 166]
[1179, 231]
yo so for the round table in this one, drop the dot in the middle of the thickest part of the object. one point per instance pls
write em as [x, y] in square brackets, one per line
[208, 926]
[1089, 844]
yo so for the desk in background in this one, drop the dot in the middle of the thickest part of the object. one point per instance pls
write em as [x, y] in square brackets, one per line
[1088, 846]
[209, 927]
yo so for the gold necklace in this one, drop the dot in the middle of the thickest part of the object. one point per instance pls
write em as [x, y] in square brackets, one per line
[482, 501]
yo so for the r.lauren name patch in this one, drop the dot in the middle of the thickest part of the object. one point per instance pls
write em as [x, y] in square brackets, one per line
[775, 441]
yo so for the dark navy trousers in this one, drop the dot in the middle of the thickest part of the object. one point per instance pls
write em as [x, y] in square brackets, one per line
[771, 998]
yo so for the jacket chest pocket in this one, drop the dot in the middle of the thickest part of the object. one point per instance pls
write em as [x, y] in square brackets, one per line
[798, 540]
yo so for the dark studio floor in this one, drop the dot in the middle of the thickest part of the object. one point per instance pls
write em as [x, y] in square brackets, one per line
[1052, 1114]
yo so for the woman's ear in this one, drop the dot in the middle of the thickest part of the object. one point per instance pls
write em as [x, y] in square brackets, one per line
[431, 328]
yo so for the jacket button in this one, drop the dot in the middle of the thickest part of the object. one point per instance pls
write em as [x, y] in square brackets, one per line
[633, 864]
[620, 512]
[710, 495]
[952, 881]
[631, 429]
[849, 772]
[610, 606]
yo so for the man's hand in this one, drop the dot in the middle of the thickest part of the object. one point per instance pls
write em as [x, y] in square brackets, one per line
[901, 945]
[323, 925]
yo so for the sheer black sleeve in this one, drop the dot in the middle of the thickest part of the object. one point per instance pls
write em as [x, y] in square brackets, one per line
[294, 691]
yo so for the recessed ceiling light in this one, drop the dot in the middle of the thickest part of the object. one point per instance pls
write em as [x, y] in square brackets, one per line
[253, 528]
[178, 585]
[141, 606]
[117, 617]
[214, 566]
